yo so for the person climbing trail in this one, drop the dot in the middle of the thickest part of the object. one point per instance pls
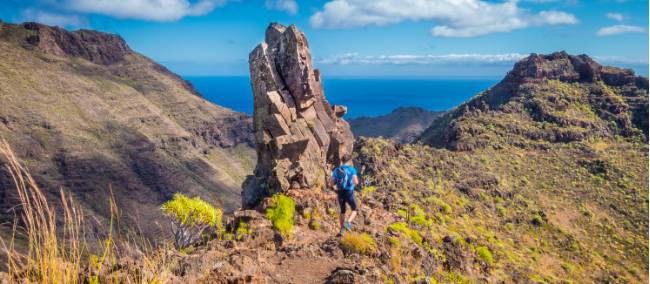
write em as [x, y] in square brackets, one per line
[343, 180]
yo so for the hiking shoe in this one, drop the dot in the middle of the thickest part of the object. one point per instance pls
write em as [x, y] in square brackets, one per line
[348, 226]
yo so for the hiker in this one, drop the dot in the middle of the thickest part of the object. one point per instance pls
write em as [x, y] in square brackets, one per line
[343, 180]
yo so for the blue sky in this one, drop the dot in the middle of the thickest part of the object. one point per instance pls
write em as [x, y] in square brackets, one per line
[393, 38]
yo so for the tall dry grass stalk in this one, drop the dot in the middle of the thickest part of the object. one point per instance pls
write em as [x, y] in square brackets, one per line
[49, 259]
[60, 254]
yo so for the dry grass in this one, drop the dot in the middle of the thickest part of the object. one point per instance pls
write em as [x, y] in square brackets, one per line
[60, 254]
[49, 259]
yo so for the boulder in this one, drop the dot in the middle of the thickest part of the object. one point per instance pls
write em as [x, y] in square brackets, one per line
[299, 135]
[341, 276]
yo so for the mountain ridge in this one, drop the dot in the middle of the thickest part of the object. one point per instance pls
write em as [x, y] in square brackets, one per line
[613, 93]
[403, 124]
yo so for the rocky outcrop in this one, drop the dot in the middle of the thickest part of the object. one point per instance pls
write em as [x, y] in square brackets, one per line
[298, 133]
[556, 98]
[97, 47]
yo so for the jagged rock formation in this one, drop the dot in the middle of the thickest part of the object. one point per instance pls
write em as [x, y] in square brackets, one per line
[96, 47]
[84, 112]
[554, 98]
[404, 124]
[298, 133]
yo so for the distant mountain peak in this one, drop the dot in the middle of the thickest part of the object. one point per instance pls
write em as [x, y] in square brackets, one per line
[548, 98]
[570, 68]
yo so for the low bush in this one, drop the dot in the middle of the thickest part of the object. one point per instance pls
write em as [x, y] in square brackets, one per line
[484, 254]
[358, 243]
[281, 214]
[190, 218]
[402, 227]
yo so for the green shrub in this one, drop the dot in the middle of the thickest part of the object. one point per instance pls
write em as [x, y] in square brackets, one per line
[358, 243]
[418, 217]
[404, 228]
[502, 210]
[537, 220]
[243, 229]
[281, 214]
[443, 206]
[484, 254]
[190, 218]
[314, 225]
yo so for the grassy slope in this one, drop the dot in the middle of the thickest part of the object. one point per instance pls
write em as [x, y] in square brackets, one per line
[546, 183]
[593, 223]
[130, 125]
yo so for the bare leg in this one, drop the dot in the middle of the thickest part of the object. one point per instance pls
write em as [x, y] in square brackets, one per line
[352, 215]
[341, 220]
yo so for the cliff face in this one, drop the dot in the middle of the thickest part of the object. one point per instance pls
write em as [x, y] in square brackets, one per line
[299, 134]
[86, 113]
[404, 124]
[554, 98]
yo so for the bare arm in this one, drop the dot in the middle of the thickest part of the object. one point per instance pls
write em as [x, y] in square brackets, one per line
[355, 180]
[330, 182]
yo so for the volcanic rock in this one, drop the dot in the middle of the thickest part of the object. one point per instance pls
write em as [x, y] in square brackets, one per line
[299, 135]
[97, 47]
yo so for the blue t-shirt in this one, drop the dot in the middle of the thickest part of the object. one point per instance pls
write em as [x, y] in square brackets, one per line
[353, 173]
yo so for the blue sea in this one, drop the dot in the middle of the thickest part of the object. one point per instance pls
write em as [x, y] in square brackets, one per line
[363, 97]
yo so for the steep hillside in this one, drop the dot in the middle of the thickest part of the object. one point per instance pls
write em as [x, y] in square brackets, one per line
[403, 124]
[86, 113]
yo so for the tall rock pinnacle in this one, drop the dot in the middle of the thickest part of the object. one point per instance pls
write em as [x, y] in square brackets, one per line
[299, 135]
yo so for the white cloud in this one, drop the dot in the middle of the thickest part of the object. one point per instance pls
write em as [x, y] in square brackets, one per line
[618, 60]
[615, 16]
[155, 10]
[454, 18]
[428, 59]
[619, 29]
[289, 6]
[51, 19]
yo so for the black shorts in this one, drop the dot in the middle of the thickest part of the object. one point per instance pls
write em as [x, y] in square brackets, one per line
[346, 196]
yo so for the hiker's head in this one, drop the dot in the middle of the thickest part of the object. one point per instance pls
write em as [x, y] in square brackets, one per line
[346, 158]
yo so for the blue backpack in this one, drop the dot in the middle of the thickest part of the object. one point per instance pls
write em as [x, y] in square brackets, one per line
[343, 178]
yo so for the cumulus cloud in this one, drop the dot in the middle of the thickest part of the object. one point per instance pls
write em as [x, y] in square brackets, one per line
[289, 6]
[428, 59]
[615, 16]
[454, 18]
[619, 29]
[52, 19]
[155, 10]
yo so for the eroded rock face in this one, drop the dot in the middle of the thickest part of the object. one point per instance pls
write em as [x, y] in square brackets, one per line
[298, 133]
[97, 47]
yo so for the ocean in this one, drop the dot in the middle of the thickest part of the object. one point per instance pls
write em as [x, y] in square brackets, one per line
[362, 96]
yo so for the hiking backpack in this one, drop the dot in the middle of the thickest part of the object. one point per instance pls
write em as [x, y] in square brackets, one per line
[343, 178]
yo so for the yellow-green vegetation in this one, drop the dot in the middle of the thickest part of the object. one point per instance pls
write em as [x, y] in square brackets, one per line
[191, 217]
[281, 214]
[361, 243]
[243, 229]
[484, 254]
[404, 228]
[416, 216]
[520, 209]
[192, 211]
[314, 225]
